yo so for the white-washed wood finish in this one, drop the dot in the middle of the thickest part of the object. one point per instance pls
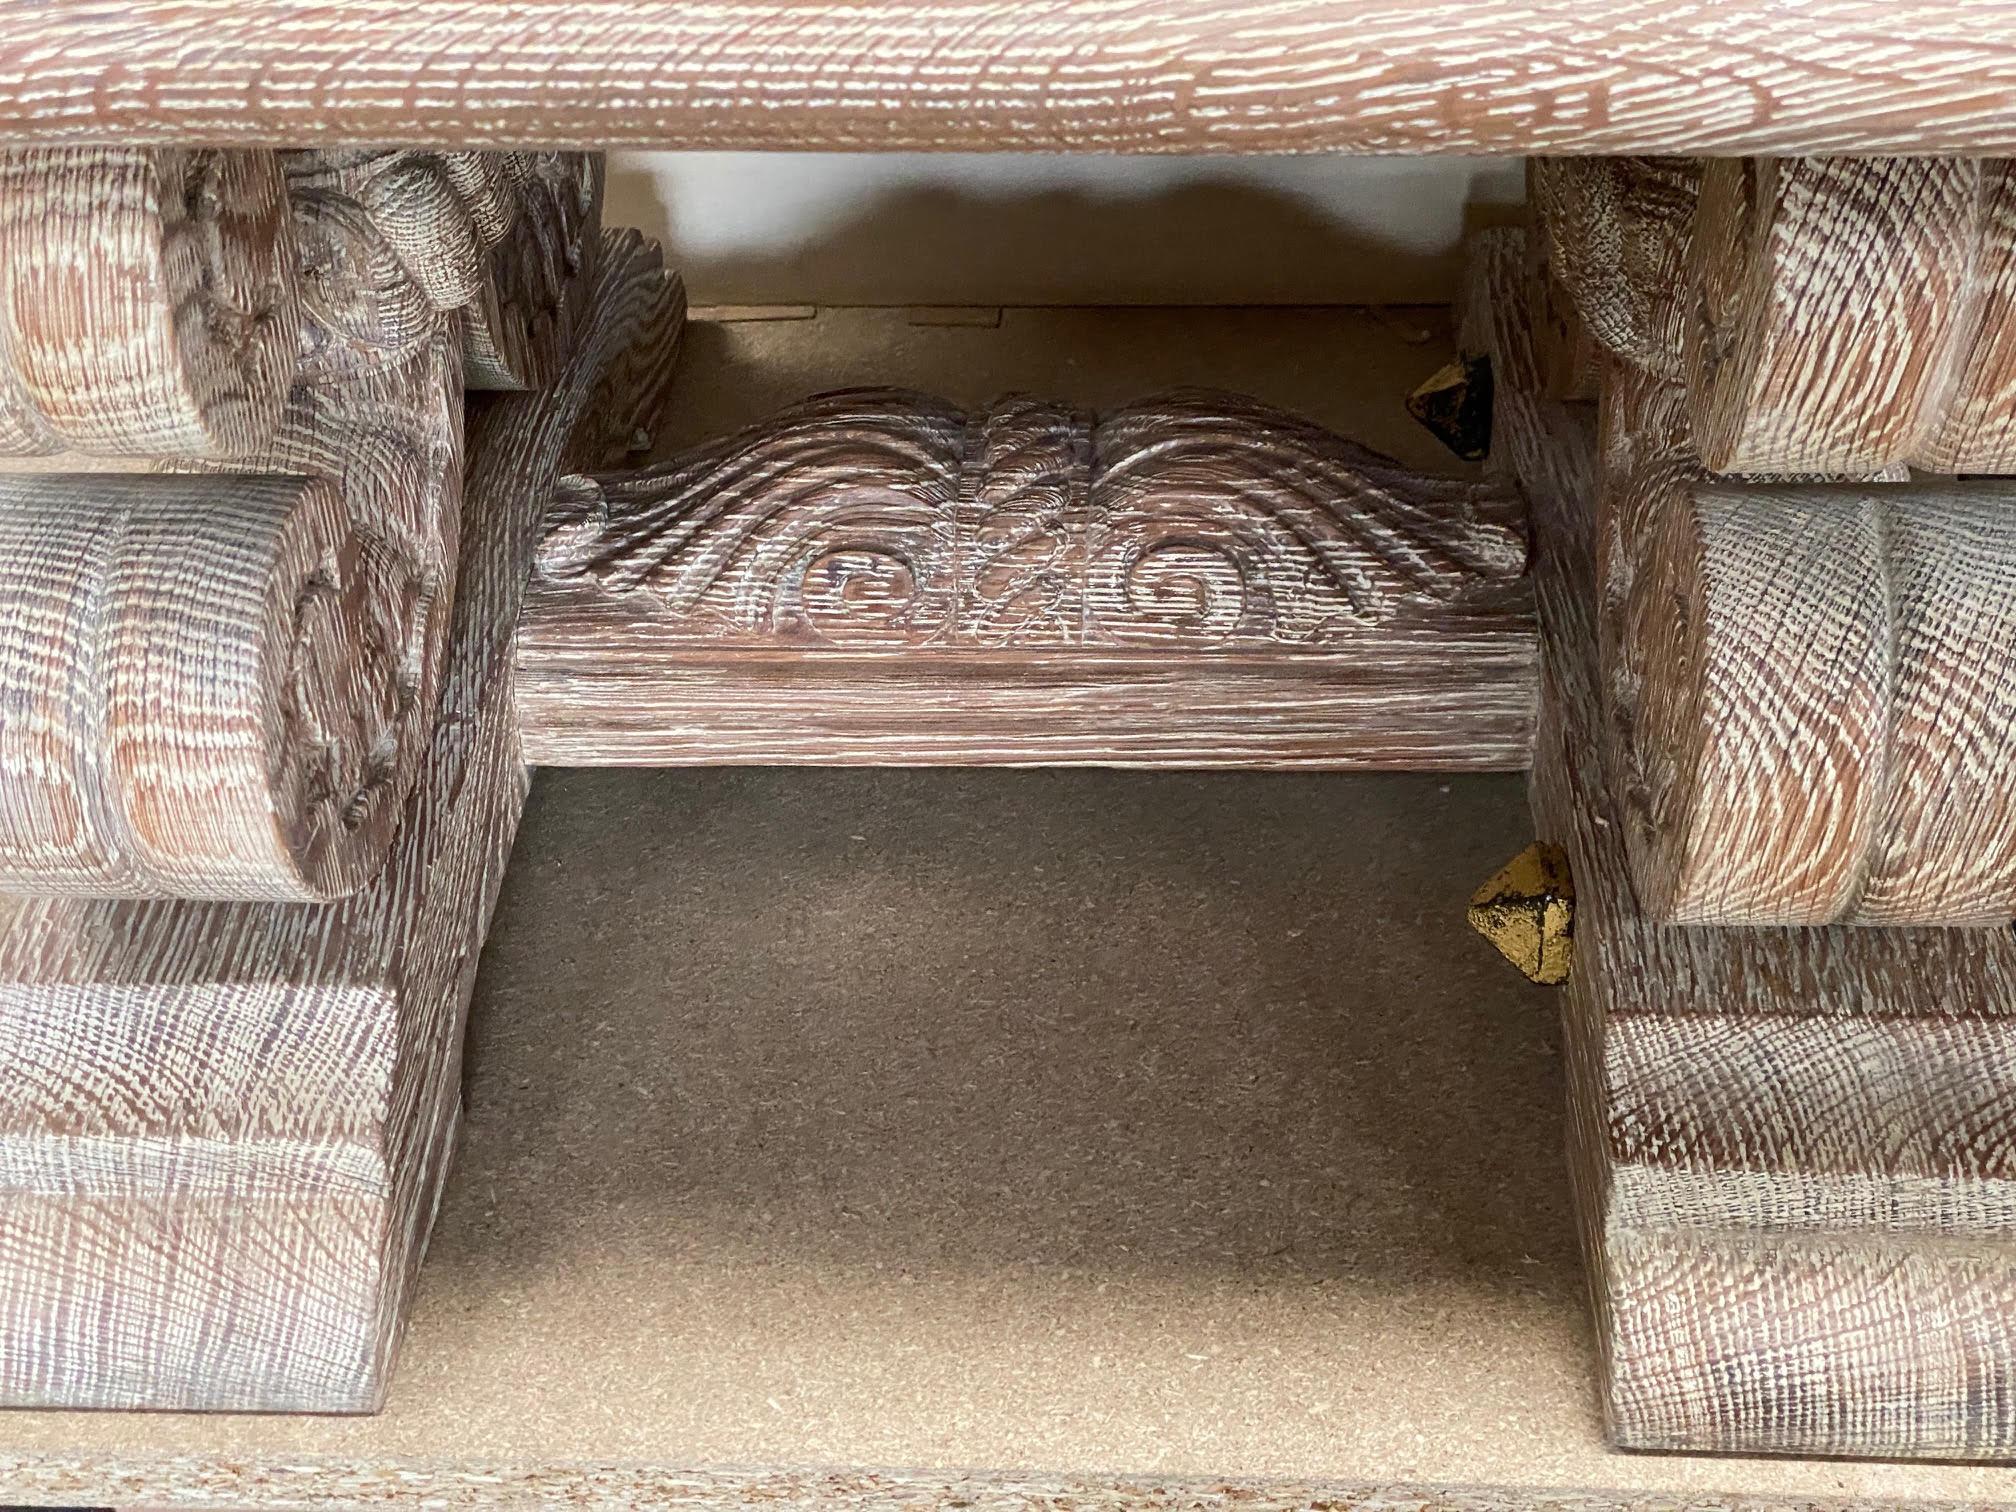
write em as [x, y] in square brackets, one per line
[500, 237]
[410, 261]
[404, 254]
[203, 683]
[1792, 1150]
[1847, 315]
[1614, 236]
[147, 301]
[1779, 795]
[1566, 356]
[223, 1126]
[390, 440]
[879, 577]
[1825, 731]
[1818, 729]
[1971, 421]
[1603, 76]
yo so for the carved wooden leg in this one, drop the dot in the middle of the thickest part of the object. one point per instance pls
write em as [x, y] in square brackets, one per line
[223, 1124]
[1791, 1147]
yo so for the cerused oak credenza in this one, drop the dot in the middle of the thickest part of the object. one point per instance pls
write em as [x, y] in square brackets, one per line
[317, 366]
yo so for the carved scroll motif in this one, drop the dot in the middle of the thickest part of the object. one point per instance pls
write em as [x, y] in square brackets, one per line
[876, 577]
[1614, 238]
[1777, 657]
[1021, 522]
[422, 270]
[147, 301]
[1219, 518]
[204, 685]
[226, 1123]
[395, 239]
[153, 307]
[877, 517]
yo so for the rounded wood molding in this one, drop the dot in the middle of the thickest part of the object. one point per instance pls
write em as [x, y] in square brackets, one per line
[148, 301]
[1824, 723]
[210, 689]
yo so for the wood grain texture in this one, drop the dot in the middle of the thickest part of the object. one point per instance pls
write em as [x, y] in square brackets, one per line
[1797, 688]
[1824, 315]
[1568, 357]
[877, 577]
[1826, 727]
[147, 301]
[1828, 299]
[401, 253]
[243, 1480]
[1645, 469]
[223, 1126]
[203, 683]
[500, 237]
[1602, 76]
[1791, 1149]
[1614, 233]
[1970, 423]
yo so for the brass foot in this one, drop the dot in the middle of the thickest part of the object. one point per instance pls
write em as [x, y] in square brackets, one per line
[1454, 403]
[1527, 911]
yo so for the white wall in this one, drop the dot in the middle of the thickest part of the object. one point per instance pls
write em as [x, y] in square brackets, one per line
[834, 228]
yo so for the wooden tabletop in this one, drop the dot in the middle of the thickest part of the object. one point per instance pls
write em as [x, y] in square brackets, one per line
[1480, 76]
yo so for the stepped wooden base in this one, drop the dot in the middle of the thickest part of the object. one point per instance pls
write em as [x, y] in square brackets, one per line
[224, 1126]
[1791, 1149]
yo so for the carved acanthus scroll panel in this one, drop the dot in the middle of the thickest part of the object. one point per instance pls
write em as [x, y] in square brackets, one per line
[878, 576]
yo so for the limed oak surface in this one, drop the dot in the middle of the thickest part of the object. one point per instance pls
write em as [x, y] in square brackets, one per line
[223, 1127]
[878, 577]
[1606, 76]
[1219, 1053]
[1793, 1150]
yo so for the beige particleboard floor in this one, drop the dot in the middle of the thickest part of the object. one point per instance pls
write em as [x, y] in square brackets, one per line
[1061, 1124]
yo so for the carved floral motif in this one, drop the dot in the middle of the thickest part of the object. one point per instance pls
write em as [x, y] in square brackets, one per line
[871, 518]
